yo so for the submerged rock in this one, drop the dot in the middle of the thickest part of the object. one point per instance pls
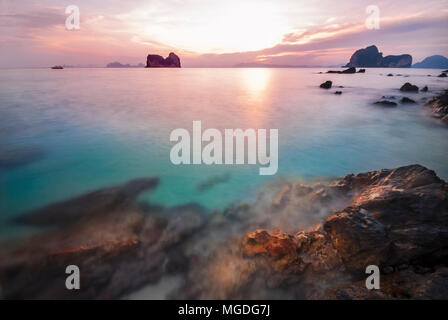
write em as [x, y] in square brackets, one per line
[118, 245]
[406, 100]
[326, 85]
[11, 157]
[386, 103]
[89, 204]
[407, 87]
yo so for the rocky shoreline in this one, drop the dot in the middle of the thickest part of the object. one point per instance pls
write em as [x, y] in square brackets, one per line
[294, 241]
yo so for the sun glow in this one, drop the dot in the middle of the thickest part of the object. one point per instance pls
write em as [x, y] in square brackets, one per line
[229, 27]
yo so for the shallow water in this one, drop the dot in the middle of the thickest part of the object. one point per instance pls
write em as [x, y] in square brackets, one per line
[99, 127]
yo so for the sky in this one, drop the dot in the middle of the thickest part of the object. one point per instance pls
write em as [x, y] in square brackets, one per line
[212, 33]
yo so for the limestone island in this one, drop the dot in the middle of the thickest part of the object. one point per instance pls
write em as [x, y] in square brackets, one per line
[156, 61]
[371, 57]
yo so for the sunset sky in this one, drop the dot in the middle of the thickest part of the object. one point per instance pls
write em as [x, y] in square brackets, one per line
[216, 33]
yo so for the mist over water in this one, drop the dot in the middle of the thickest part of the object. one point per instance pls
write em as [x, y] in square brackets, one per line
[84, 129]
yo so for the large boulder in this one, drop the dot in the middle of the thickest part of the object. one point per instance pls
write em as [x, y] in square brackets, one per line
[156, 61]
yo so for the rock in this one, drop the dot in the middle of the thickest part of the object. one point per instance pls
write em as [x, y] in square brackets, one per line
[388, 97]
[338, 92]
[442, 75]
[371, 57]
[390, 75]
[406, 100]
[346, 71]
[87, 205]
[439, 106]
[407, 87]
[326, 85]
[386, 103]
[362, 70]
[425, 89]
[156, 61]
[396, 217]
[118, 249]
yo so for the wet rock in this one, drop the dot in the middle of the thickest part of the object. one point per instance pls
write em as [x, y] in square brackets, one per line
[442, 75]
[439, 106]
[390, 75]
[386, 103]
[362, 70]
[407, 87]
[326, 84]
[406, 100]
[397, 217]
[425, 89]
[338, 92]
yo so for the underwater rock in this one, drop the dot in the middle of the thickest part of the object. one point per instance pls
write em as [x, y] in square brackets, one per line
[89, 204]
[406, 100]
[118, 250]
[11, 157]
[386, 103]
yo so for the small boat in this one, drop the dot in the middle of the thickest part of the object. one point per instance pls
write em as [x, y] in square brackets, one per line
[57, 67]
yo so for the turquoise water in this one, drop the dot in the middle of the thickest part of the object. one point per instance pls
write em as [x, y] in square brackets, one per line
[100, 127]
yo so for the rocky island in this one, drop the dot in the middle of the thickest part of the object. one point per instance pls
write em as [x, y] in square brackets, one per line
[371, 57]
[156, 61]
